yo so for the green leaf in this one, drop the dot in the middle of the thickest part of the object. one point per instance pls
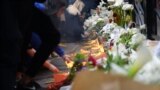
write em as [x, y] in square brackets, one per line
[79, 56]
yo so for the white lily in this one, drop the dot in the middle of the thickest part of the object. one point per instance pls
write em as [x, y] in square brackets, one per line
[144, 56]
[149, 74]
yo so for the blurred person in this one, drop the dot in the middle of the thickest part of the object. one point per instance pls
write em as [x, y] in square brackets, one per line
[70, 25]
[89, 4]
[10, 38]
[72, 29]
[35, 43]
[31, 20]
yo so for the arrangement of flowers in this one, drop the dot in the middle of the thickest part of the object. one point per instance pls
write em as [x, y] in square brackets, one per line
[124, 44]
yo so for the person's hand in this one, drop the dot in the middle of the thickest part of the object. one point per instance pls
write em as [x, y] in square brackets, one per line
[51, 67]
[66, 58]
[31, 52]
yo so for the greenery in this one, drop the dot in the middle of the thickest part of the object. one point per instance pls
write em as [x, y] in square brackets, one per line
[99, 25]
[77, 66]
[117, 60]
[125, 39]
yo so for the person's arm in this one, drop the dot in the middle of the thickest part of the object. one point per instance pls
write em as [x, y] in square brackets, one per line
[61, 53]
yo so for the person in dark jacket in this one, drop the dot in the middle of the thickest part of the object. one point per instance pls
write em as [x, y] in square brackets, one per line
[36, 42]
[31, 20]
[10, 44]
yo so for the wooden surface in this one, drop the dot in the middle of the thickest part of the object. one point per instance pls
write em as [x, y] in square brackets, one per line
[99, 81]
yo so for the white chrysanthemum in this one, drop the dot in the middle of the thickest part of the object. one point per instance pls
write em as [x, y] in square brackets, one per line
[123, 55]
[94, 23]
[122, 51]
[122, 48]
[115, 34]
[103, 9]
[87, 23]
[134, 30]
[133, 56]
[106, 19]
[127, 7]
[137, 38]
[100, 19]
[110, 14]
[104, 14]
[101, 4]
[108, 27]
[118, 3]
[123, 31]
[104, 29]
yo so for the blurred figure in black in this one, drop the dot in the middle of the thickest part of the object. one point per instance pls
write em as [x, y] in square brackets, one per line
[89, 4]
[31, 19]
[10, 39]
